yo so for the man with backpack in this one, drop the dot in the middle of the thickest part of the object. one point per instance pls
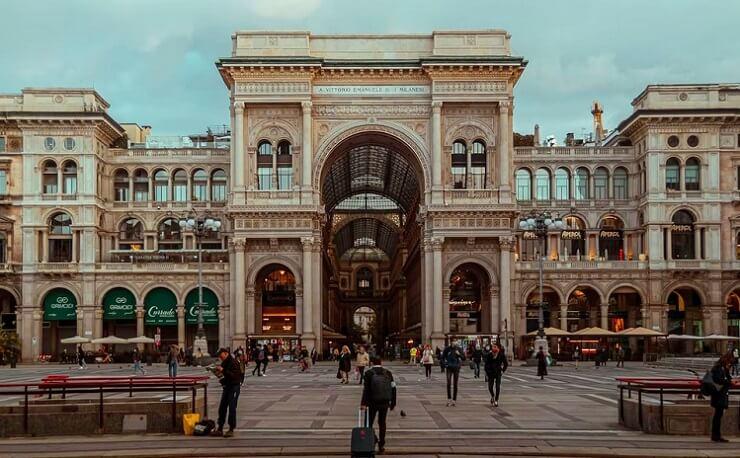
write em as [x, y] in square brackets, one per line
[452, 356]
[230, 376]
[378, 395]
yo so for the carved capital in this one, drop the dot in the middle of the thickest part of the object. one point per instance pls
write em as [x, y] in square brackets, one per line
[504, 106]
[437, 243]
[307, 243]
[436, 107]
[306, 106]
[239, 107]
[506, 243]
[240, 245]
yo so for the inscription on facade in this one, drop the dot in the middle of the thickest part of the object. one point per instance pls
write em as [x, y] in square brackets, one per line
[371, 90]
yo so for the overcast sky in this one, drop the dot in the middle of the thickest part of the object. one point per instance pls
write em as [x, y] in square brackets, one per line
[153, 60]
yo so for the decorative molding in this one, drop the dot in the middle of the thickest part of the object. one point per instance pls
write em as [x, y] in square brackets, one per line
[470, 87]
[362, 111]
[272, 88]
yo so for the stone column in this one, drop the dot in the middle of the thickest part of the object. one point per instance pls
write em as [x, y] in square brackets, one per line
[314, 333]
[98, 323]
[251, 312]
[438, 333]
[299, 311]
[308, 296]
[237, 144]
[239, 295]
[505, 245]
[181, 325]
[495, 312]
[436, 147]
[504, 153]
[669, 244]
[221, 327]
[306, 148]
[564, 317]
[140, 323]
[428, 296]
[44, 245]
[697, 242]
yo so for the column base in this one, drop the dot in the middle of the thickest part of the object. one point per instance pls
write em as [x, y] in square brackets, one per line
[200, 343]
[239, 341]
[308, 341]
[438, 340]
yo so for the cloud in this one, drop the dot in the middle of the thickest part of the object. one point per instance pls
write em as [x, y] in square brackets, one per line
[286, 9]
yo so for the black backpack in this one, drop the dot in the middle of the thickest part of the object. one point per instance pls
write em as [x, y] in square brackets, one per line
[381, 390]
[204, 428]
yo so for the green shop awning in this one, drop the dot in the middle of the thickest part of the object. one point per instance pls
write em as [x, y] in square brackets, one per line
[60, 304]
[119, 304]
[210, 307]
[161, 307]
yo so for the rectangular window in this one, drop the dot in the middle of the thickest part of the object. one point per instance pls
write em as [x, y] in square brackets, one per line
[458, 177]
[671, 178]
[160, 192]
[477, 177]
[70, 185]
[199, 191]
[285, 177]
[180, 193]
[561, 188]
[601, 188]
[620, 188]
[3, 182]
[218, 192]
[691, 175]
[264, 178]
[121, 193]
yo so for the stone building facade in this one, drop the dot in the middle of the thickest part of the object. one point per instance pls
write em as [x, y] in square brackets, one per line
[366, 171]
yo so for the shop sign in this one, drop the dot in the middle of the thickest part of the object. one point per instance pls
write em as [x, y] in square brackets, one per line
[210, 314]
[119, 304]
[610, 234]
[59, 305]
[571, 235]
[529, 235]
[682, 228]
[165, 315]
[459, 314]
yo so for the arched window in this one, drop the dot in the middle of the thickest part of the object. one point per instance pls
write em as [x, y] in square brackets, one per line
[478, 165]
[69, 174]
[141, 185]
[180, 186]
[611, 239]
[264, 165]
[131, 235]
[161, 186]
[601, 184]
[673, 175]
[50, 177]
[60, 238]
[459, 162]
[200, 186]
[542, 184]
[218, 185]
[580, 185]
[621, 191]
[562, 184]
[120, 186]
[691, 175]
[364, 279]
[523, 185]
[170, 237]
[284, 165]
[683, 244]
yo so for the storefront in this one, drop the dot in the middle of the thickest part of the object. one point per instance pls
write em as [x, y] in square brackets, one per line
[160, 317]
[210, 318]
[60, 320]
[611, 239]
[119, 313]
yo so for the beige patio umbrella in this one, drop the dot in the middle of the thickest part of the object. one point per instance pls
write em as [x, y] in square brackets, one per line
[594, 332]
[140, 340]
[640, 332]
[75, 340]
[552, 332]
[110, 340]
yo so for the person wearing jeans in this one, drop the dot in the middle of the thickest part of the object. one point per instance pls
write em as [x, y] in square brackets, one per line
[495, 364]
[231, 380]
[452, 357]
[172, 361]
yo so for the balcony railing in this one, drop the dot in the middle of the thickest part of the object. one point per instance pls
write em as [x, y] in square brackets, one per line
[167, 257]
[583, 265]
[575, 151]
[161, 266]
[177, 204]
[174, 153]
[58, 267]
[465, 196]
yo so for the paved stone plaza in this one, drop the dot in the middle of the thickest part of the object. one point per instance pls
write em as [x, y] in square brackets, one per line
[572, 413]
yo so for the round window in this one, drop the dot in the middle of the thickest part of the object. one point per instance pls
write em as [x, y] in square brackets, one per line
[693, 141]
[673, 141]
[49, 143]
[69, 143]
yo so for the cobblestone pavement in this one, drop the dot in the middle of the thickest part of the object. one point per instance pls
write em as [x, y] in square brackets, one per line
[573, 412]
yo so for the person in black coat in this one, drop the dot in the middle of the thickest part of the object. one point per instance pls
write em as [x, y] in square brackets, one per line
[477, 356]
[452, 358]
[231, 378]
[541, 364]
[378, 395]
[720, 398]
[495, 364]
[345, 365]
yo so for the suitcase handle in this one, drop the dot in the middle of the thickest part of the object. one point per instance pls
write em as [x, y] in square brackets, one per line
[360, 419]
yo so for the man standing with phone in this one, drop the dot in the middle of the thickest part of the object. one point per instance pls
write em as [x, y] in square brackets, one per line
[378, 395]
[231, 377]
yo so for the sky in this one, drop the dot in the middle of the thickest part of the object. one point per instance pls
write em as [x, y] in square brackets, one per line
[153, 60]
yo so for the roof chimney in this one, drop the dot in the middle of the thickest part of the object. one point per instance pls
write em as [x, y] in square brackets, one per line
[597, 110]
[536, 141]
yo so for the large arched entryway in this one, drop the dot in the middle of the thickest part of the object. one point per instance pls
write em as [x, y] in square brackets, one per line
[470, 304]
[60, 320]
[625, 311]
[7, 311]
[584, 308]
[733, 313]
[371, 187]
[275, 309]
[160, 317]
[685, 316]
[119, 313]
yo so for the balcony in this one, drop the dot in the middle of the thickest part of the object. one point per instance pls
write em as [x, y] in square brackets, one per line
[189, 267]
[583, 265]
[560, 152]
[168, 257]
[9, 268]
[58, 267]
[470, 196]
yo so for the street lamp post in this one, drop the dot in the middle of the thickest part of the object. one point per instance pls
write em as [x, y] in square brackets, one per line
[539, 223]
[200, 226]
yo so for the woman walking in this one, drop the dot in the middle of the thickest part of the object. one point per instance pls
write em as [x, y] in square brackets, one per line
[541, 364]
[427, 359]
[495, 364]
[345, 364]
[720, 398]
[363, 360]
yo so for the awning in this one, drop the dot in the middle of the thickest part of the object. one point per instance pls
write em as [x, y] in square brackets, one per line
[119, 304]
[110, 340]
[140, 340]
[60, 304]
[683, 337]
[161, 308]
[551, 332]
[640, 332]
[719, 337]
[75, 340]
[594, 332]
[210, 307]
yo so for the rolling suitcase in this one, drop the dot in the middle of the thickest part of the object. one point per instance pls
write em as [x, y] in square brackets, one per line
[363, 437]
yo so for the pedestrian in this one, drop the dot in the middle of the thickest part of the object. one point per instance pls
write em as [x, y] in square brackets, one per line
[335, 354]
[81, 357]
[620, 356]
[172, 361]
[427, 359]
[258, 356]
[453, 356]
[477, 356]
[720, 400]
[735, 361]
[577, 355]
[241, 359]
[303, 358]
[378, 395]
[363, 360]
[231, 377]
[267, 352]
[438, 353]
[136, 356]
[314, 356]
[345, 365]
[495, 364]
[541, 364]
[412, 353]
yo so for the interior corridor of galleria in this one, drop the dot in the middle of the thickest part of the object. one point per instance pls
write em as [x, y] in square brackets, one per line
[368, 189]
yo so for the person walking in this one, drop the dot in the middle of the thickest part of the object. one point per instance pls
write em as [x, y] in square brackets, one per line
[541, 364]
[577, 355]
[412, 353]
[495, 364]
[453, 357]
[345, 364]
[477, 356]
[314, 356]
[427, 359]
[136, 357]
[438, 353]
[363, 360]
[620, 356]
[81, 357]
[378, 395]
[172, 361]
[720, 399]
[267, 349]
[735, 361]
[231, 377]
